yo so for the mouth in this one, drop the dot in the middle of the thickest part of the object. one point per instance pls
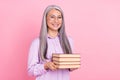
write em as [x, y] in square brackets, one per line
[55, 25]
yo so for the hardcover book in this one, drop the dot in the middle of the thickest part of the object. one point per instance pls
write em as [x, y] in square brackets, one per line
[67, 66]
[63, 61]
[66, 55]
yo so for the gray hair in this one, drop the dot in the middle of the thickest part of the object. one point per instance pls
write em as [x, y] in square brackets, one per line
[64, 42]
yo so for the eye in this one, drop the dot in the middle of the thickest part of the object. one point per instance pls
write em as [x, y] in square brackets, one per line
[59, 17]
[51, 16]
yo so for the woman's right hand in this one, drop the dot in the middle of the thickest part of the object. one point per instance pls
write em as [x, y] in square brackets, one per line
[50, 65]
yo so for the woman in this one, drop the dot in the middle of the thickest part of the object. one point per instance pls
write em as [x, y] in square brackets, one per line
[53, 39]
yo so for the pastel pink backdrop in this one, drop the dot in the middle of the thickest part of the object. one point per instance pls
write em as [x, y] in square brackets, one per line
[94, 26]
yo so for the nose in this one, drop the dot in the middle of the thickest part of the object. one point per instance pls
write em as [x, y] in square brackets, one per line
[56, 19]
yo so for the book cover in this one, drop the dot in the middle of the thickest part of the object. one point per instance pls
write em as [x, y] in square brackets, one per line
[66, 62]
[66, 55]
[65, 59]
[67, 66]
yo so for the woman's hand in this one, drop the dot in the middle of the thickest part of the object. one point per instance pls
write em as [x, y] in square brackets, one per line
[71, 69]
[50, 65]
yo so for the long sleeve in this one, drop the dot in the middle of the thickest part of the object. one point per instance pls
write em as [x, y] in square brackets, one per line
[35, 67]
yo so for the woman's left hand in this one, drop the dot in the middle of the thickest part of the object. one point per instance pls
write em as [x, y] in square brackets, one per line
[71, 69]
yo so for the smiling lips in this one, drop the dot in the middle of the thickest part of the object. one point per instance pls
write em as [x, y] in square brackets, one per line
[55, 25]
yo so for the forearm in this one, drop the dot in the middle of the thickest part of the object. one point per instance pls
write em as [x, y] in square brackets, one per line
[37, 69]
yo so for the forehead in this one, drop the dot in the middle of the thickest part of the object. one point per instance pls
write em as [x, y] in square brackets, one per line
[54, 11]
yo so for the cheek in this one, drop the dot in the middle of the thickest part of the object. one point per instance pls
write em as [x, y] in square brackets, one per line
[48, 23]
[60, 22]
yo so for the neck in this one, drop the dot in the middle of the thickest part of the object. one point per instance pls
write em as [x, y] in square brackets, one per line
[52, 33]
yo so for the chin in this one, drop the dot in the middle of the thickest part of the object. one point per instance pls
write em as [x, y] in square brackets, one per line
[55, 29]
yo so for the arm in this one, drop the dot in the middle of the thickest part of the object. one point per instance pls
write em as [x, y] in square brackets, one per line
[35, 67]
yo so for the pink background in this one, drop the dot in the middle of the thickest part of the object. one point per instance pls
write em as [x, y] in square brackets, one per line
[94, 26]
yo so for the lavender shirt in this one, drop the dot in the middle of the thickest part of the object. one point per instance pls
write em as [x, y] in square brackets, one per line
[36, 68]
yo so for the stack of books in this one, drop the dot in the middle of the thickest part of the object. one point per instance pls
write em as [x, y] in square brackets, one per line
[63, 61]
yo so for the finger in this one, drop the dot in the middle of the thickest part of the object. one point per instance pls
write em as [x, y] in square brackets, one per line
[52, 66]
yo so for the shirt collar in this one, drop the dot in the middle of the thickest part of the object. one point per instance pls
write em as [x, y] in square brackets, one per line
[48, 36]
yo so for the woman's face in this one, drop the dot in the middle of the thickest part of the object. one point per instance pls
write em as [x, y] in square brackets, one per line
[54, 20]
